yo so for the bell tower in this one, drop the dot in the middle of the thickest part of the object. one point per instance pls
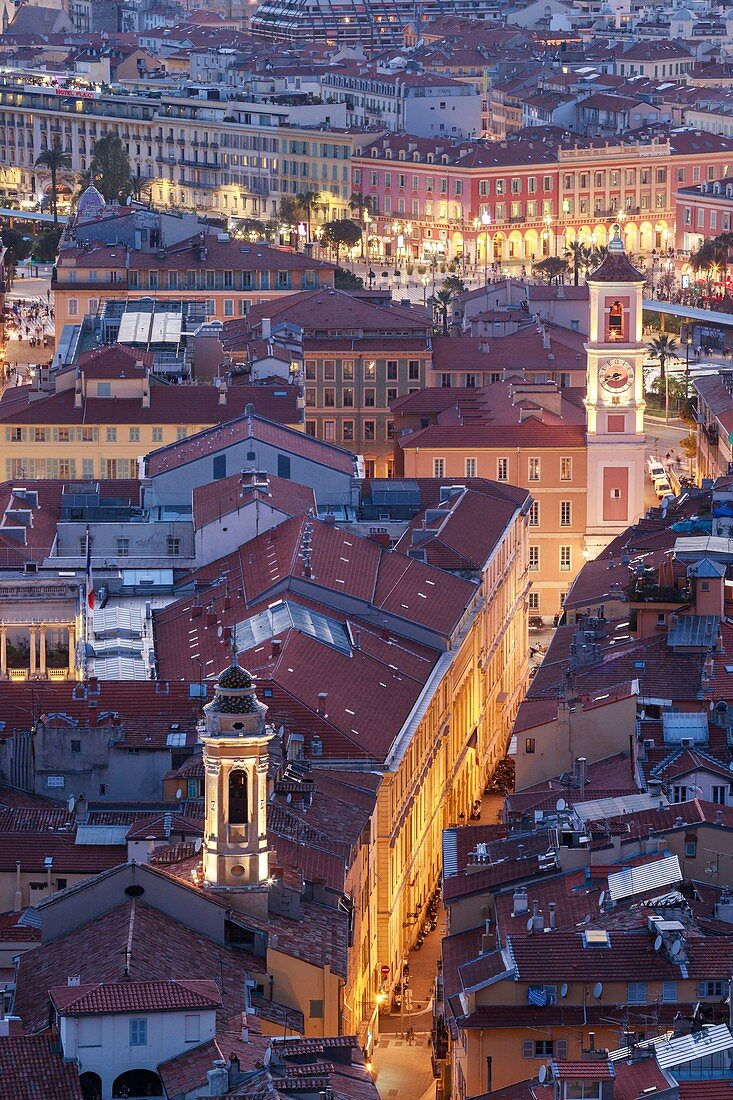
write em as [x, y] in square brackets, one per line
[236, 759]
[614, 399]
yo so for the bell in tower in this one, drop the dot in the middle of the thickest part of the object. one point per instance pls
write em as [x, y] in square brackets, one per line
[236, 763]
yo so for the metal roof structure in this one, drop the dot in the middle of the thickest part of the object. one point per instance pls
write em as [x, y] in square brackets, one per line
[684, 727]
[698, 1044]
[101, 834]
[286, 615]
[648, 876]
[599, 809]
[120, 668]
[694, 631]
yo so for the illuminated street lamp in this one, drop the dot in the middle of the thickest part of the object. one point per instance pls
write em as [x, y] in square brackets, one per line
[485, 222]
[548, 224]
[425, 279]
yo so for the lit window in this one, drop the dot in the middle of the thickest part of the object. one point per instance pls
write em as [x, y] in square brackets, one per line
[438, 467]
[534, 469]
[565, 558]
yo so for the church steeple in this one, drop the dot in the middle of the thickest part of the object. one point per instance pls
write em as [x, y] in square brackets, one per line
[236, 759]
[614, 399]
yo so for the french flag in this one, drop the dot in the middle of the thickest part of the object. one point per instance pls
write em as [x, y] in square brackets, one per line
[90, 578]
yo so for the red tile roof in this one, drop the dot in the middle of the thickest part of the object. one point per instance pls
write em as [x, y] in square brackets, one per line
[596, 1069]
[160, 948]
[466, 534]
[220, 256]
[173, 995]
[222, 498]
[113, 361]
[32, 1067]
[182, 405]
[326, 312]
[31, 850]
[630, 957]
[228, 432]
[144, 716]
[530, 433]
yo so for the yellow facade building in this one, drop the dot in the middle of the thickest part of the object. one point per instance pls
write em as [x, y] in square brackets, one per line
[102, 417]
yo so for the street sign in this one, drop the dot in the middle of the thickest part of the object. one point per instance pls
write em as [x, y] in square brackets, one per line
[385, 972]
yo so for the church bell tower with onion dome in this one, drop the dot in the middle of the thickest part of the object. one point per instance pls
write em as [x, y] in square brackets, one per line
[236, 760]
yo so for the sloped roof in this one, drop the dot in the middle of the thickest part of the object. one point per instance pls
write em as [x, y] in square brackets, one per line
[173, 995]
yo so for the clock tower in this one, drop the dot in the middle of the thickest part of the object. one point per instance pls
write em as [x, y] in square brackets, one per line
[614, 399]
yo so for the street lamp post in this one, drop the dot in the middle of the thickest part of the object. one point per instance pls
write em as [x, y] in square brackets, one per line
[688, 345]
[548, 225]
[425, 279]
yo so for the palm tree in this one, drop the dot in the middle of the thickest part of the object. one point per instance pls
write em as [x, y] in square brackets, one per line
[577, 253]
[360, 205]
[663, 348]
[443, 299]
[54, 160]
[309, 201]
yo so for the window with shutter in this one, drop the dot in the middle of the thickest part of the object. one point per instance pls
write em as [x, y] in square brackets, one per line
[527, 1048]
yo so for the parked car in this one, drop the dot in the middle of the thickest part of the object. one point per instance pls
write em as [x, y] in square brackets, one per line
[662, 488]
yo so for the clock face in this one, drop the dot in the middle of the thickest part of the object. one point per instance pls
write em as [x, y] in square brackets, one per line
[616, 375]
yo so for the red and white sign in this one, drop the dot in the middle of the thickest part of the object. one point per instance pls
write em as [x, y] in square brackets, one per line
[385, 972]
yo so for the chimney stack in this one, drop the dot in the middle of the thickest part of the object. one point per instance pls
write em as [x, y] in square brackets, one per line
[552, 907]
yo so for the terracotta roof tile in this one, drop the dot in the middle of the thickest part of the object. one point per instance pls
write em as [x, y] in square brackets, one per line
[227, 432]
[160, 948]
[173, 995]
[32, 1066]
[168, 405]
[231, 494]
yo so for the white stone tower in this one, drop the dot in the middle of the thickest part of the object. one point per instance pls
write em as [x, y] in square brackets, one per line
[614, 399]
[236, 759]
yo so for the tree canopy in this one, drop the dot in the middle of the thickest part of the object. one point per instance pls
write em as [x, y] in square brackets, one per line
[342, 233]
[110, 169]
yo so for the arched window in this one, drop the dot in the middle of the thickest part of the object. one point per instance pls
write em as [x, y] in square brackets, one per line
[238, 814]
[616, 322]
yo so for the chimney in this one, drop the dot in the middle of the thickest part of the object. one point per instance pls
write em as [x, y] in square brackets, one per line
[582, 775]
[521, 905]
[18, 898]
[218, 1078]
[245, 1029]
[552, 908]
[321, 709]
[538, 920]
[223, 393]
[266, 327]
[276, 646]
[77, 396]
[146, 393]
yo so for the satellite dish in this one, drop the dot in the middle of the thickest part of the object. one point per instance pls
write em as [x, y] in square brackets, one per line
[657, 943]
[542, 1074]
[560, 805]
[597, 990]
[564, 989]
[676, 947]
[197, 845]
[529, 925]
[179, 793]
[601, 899]
[220, 631]
[71, 803]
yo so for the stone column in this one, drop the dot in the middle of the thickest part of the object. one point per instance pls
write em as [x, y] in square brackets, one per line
[32, 634]
[3, 651]
[72, 652]
[43, 651]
